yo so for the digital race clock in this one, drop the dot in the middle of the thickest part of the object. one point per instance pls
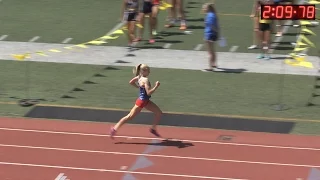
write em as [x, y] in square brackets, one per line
[288, 12]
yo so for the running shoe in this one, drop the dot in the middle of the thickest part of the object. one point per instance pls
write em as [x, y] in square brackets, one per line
[151, 41]
[183, 27]
[154, 132]
[207, 70]
[253, 47]
[279, 34]
[112, 132]
[137, 39]
[169, 25]
[154, 32]
[267, 57]
[261, 56]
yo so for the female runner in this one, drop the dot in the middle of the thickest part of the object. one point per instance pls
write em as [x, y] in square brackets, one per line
[129, 13]
[141, 73]
[151, 8]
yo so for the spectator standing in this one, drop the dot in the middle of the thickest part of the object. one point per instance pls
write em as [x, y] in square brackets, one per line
[129, 12]
[177, 8]
[211, 34]
[255, 17]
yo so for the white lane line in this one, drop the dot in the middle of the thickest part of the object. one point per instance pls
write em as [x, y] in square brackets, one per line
[167, 45]
[115, 171]
[59, 176]
[63, 178]
[149, 138]
[198, 47]
[34, 39]
[67, 40]
[161, 156]
[233, 48]
[3, 37]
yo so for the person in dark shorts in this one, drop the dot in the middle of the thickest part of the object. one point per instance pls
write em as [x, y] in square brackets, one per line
[149, 8]
[129, 12]
[265, 27]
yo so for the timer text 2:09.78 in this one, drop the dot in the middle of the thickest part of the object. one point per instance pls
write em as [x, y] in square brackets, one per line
[283, 12]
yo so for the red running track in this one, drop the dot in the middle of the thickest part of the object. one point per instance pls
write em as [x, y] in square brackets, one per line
[33, 149]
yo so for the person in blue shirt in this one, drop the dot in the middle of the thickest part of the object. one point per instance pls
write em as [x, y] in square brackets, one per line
[211, 33]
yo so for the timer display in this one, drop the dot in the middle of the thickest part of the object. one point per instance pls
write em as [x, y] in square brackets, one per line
[288, 12]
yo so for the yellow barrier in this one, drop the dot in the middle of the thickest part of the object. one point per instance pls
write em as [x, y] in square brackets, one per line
[99, 41]
[303, 43]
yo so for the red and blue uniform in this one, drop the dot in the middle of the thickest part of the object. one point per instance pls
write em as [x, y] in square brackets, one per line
[143, 98]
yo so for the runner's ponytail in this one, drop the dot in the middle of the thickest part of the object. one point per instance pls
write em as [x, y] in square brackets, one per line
[136, 70]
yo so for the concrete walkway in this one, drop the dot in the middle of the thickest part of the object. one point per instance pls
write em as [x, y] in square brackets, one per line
[162, 58]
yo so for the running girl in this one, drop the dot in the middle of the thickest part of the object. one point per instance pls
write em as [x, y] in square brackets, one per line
[150, 8]
[141, 73]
